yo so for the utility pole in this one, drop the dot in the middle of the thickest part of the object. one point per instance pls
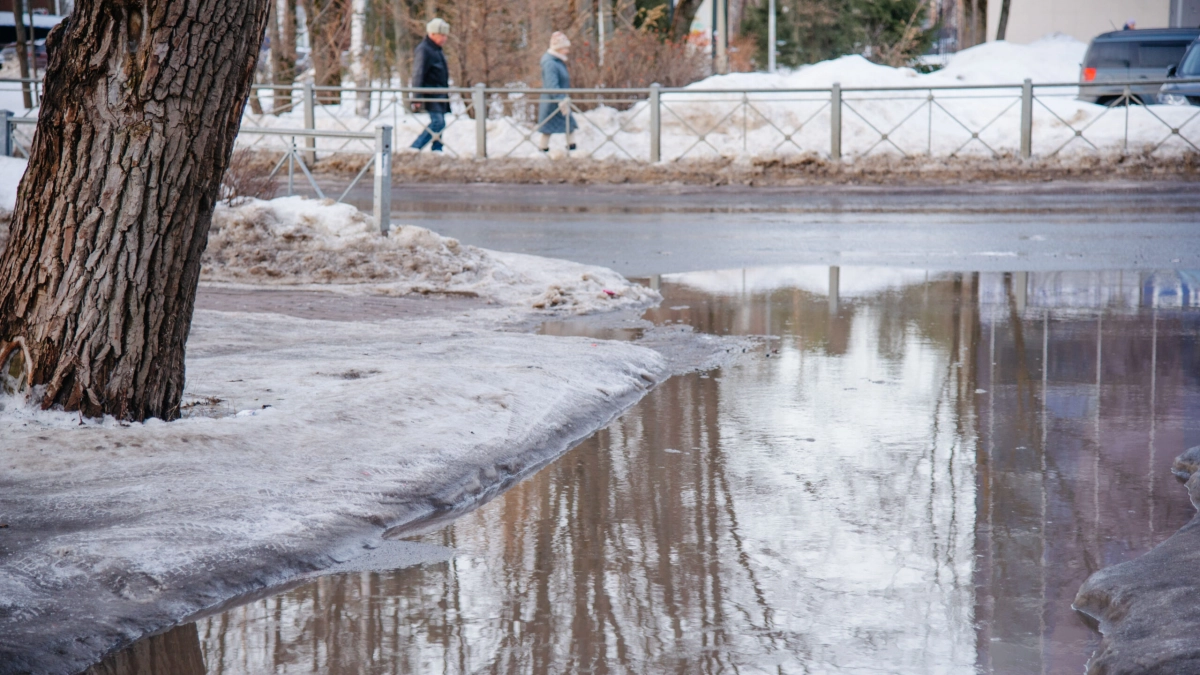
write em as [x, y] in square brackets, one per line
[722, 10]
[772, 41]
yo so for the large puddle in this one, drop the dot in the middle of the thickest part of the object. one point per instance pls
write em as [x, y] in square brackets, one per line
[913, 475]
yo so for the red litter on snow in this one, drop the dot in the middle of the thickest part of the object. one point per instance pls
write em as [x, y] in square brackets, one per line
[611, 294]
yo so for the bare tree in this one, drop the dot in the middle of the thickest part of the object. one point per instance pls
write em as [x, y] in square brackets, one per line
[22, 49]
[281, 30]
[682, 17]
[1002, 28]
[98, 280]
[328, 34]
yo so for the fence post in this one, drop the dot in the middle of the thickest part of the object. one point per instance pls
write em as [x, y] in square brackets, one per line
[1128, 95]
[835, 121]
[479, 101]
[6, 136]
[655, 123]
[1027, 119]
[383, 177]
[310, 122]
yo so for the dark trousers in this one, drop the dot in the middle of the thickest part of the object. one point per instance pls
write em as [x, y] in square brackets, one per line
[437, 122]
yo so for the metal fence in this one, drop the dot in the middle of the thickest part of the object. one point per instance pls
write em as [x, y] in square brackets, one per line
[657, 124]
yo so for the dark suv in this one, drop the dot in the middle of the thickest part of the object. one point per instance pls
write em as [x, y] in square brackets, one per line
[1183, 93]
[1129, 56]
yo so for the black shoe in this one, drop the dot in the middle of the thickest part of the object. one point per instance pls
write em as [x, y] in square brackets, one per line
[571, 146]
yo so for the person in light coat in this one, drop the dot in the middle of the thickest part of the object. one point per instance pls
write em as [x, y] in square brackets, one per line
[554, 112]
[430, 72]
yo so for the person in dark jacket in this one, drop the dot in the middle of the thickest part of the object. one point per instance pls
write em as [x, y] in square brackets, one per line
[554, 112]
[430, 72]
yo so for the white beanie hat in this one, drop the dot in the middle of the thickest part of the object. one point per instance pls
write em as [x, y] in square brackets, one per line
[437, 27]
[559, 41]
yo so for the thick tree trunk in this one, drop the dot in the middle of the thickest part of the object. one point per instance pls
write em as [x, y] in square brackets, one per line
[142, 104]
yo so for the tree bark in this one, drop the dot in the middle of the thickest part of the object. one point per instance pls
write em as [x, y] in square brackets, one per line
[142, 104]
[1002, 28]
[22, 50]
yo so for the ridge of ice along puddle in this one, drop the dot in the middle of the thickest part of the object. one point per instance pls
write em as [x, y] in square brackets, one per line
[332, 434]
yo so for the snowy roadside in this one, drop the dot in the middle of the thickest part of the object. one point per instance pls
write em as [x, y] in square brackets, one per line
[304, 440]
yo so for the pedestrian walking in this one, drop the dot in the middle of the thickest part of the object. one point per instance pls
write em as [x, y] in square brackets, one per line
[430, 72]
[554, 111]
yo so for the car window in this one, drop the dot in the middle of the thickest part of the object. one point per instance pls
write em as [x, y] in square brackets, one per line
[1160, 54]
[1191, 64]
[1109, 55]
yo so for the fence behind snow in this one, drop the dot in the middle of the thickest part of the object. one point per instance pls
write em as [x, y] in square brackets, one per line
[656, 124]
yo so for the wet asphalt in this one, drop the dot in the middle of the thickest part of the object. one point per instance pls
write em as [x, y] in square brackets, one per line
[647, 230]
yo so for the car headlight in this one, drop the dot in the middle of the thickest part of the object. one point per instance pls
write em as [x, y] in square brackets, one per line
[1172, 99]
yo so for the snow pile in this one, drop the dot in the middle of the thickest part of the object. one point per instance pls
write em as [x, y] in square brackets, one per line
[294, 240]
[703, 121]
[1051, 60]
[11, 170]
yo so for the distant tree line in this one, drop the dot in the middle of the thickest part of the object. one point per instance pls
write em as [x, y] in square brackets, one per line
[616, 43]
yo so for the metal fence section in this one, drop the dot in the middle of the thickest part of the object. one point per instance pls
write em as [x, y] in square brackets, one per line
[658, 124]
[667, 124]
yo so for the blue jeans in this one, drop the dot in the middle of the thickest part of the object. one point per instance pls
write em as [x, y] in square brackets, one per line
[437, 122]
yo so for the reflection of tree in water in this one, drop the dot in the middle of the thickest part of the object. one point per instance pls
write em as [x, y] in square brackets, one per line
[176, 651]
[626, 557]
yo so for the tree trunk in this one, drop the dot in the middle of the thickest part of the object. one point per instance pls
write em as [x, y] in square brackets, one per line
[1002, 28]
[682, 17]
[326, 34]
[282, 54]
[359, 69]
[22, 50]
[142, 104]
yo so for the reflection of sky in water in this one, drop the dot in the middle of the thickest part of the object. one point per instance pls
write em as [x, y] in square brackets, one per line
[900, 487]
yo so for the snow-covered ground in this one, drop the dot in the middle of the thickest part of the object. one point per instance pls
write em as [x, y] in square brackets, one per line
[303, 440]
[778, 120]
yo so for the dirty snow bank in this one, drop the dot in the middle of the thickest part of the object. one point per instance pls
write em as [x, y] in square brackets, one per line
[294, 240]
[329, 434]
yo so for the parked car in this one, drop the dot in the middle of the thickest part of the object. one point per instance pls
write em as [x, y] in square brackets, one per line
[1183, 93]
[1128, 56]
[9, 54]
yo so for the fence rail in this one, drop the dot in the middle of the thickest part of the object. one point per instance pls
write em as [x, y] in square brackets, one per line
[656, 124]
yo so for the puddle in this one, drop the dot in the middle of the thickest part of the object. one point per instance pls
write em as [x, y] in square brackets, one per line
[915, 475]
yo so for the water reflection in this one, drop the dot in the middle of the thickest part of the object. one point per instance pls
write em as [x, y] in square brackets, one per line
[915, 476]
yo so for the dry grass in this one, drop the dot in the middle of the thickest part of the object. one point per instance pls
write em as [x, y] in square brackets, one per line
[248, 177]
[783, 171]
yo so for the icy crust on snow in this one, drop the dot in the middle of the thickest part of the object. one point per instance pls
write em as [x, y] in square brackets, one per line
[299, 241]
[118, 530]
